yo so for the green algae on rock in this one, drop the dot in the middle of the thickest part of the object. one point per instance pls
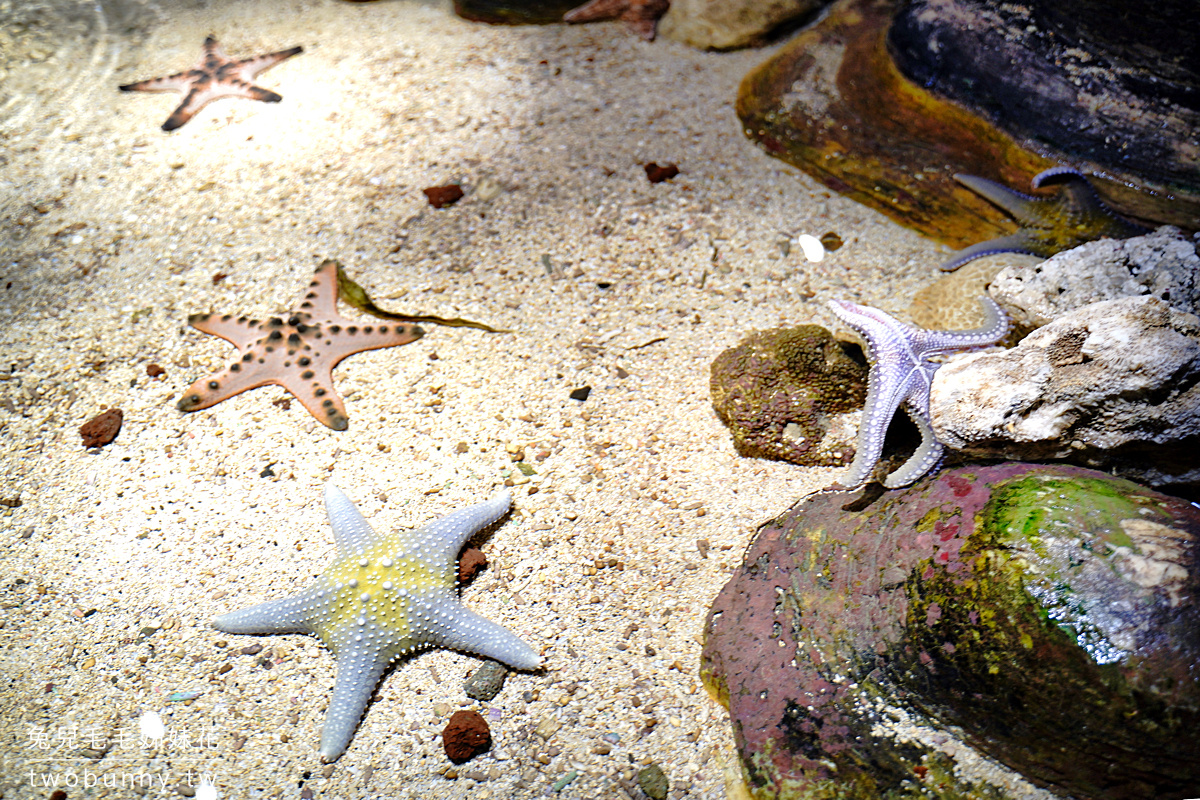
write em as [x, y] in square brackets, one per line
[789, 394]
[989, 632]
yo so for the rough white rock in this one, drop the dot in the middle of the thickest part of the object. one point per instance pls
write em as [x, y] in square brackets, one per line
[1115, 383]
[1162, 264]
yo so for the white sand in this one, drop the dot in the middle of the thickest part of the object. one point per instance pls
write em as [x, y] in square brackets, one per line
[172, 524]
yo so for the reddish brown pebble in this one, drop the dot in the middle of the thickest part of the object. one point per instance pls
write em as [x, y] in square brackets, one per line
[443, 195]
[218, 277]
[466, 736]
[658, 174]
[102, 429]
[154, 370]
[58, 794]
[283, 402]
[469, 563]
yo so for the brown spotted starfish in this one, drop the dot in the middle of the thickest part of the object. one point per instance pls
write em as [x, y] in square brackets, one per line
[297, 353]
[641, 15]
[215, 76]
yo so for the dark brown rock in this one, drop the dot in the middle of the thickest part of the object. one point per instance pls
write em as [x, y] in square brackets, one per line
[1045, 618]
[788, 394]
[102, 428]
[514, 12]
[657, 173]
[470, 561]
[441, 196]
[466, 735]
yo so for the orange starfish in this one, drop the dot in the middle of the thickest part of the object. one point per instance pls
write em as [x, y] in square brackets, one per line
[641, 15]
[215, 76]
[297, 353]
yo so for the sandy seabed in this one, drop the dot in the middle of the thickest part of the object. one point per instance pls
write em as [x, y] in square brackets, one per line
[114, 560]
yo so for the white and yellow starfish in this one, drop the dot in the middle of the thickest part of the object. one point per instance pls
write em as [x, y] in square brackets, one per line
[383, 597]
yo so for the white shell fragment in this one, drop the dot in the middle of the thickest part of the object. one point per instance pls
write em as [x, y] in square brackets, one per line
[814, 251]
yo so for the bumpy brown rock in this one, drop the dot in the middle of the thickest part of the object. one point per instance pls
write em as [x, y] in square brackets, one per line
[466, 735]
[470, 561]
[102, 429]
[982, 633]
[791, 394]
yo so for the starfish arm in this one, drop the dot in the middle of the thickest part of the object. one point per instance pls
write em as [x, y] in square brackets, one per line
[994, 328]
[314, 389]
[440, 540]
[1021, 206]
[285, 615]
[355, 338]
[928, 454]
[453, 625]
[320, 299]
[238, 377]
[882, 401]
[1083, 209]
[249, 68]
[1019, 242]
[351, 532]
[358, 672]
[238, 331]
[179, 82]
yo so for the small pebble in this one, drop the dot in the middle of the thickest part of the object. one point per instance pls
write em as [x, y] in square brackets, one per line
[653, 782]
[547, 727]
[440, 196]
[658, 174]
[102, 428]
[565, 781]
[831, 241]
[486, 682]
[813, 250]
[581, 393]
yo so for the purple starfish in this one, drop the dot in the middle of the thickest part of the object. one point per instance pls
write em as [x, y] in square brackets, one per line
[1049, 225]
[215, 76]
[901, 373]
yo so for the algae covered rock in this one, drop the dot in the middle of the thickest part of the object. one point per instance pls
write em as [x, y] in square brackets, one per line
[999, 632]
[791, 394]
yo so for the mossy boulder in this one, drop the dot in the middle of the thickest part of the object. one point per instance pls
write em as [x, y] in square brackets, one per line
[791, 394]
[1007, 631]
